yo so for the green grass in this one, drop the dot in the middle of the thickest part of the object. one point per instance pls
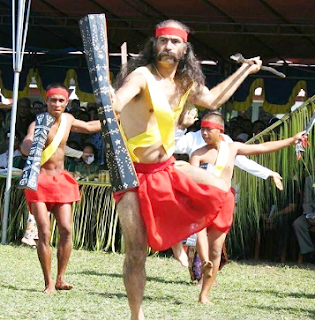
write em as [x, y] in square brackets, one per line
[246, 290]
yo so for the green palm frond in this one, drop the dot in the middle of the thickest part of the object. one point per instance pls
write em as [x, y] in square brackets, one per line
[256, 196]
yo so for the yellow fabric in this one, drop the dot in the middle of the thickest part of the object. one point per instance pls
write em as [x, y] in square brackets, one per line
[53, 146]
[222, 158]
[166, 120]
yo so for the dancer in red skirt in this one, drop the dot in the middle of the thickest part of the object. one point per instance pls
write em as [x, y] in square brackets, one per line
[218, 157]
[57, 189]
[171, 203]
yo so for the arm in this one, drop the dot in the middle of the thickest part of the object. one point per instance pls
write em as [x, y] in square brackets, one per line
[28, 140]
[214, 98]
[86, 126]
[73, 153]
[187, 143]
[195, 160]
[267, 147]
[134, 84]
[254, 168]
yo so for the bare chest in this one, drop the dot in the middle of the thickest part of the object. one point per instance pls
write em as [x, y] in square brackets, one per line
[53, 131]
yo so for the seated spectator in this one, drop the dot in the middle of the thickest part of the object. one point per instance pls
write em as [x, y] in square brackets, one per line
[88, 168]
[92, 110]
[74, 107]
[239, 134]
[80, 138]
[258, 126]
[242, 137]
[38, 107]
[24, 116]
[71, 159]
[248, 127]
[304, 223]
[4, 157]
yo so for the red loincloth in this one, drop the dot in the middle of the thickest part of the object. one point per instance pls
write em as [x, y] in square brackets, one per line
[172, 205]
[61, 188]
[224, 220]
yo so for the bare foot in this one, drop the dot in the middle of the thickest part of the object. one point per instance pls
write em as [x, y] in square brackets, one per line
[207, 269]
[63, 286]
[180, 255]
[50, 289]
[205, 301]
[183, 259]
[29, 242]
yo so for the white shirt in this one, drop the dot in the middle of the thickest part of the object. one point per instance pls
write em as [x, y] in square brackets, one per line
[191, 141]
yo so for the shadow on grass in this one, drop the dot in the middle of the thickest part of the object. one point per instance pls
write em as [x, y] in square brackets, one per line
[283, 294]
[275, 264]
[167, 298]
[287, 310]
[20, 289]
[116, 275]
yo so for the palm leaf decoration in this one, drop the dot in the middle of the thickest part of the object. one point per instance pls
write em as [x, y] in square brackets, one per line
[256, 196]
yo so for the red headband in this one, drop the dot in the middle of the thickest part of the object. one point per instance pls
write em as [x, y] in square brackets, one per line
[211, 125]
[172, 32]
[60, 91]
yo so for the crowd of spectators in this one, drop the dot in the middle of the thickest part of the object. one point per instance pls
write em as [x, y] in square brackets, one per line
[92, 146]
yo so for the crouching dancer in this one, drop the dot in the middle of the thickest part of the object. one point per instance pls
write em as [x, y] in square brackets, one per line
[170, 204]
[57, 189]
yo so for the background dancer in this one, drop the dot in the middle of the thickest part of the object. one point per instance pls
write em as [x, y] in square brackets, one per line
[218, 157]
[57, 189]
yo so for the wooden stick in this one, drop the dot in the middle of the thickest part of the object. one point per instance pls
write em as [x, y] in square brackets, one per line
[238, 57]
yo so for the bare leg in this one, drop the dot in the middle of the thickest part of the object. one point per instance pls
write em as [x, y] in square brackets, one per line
[202, 176]
[40, 213]
[136, 251]
[216, 241]
[63, 215]
[203, 251]
[180, 254]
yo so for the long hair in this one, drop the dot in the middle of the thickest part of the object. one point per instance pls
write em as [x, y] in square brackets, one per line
[189, 70]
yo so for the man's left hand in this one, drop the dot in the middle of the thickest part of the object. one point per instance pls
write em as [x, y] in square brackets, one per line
[188, 118]
[256, 66]
[277, 180]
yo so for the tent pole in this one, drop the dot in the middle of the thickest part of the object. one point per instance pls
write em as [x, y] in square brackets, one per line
[124, 53]
[18, 44]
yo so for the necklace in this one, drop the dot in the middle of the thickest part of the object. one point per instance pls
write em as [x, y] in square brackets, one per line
[162, 78]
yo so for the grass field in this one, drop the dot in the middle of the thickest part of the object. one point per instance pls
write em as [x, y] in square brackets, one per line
[246, 290]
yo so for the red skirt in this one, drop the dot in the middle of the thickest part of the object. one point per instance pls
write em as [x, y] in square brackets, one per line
[61, 188]
[224, 220]
[173, 207]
